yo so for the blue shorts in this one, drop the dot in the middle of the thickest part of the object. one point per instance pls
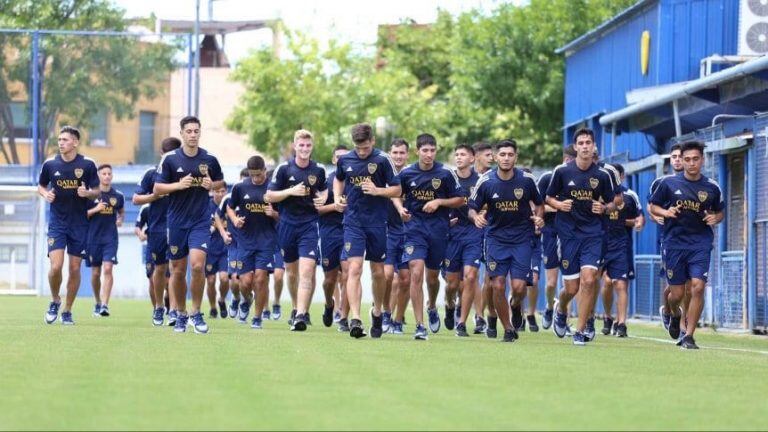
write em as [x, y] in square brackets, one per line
[215, 264]
[684, 264]
[250, 260]
[72, 238]
[157, 245]
[232, 259]
[616, 264]
[331, 243]
[181, 240]
[297, 241]
[536, 256]
[549, 250]
[576, 253]
[427, 246]
[630, 261]
[100, 252]
[147, 258]
[370, 242]
[513, 259]
[395, 244]
[277, 262]
[462, 252]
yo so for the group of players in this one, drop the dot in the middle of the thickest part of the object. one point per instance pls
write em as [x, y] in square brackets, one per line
[485, 228]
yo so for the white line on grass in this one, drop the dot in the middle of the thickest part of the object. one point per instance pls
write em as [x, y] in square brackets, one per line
[669, 341]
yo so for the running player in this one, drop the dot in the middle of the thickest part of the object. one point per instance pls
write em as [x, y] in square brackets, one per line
[106, 214]
[230, 239]
[140, 229]
[691, 205]
[398, 288]
[295, 185]
[365, 180]
[483, 163]
[186, 175]
[465, 247]
[216, 259]
[73, 182]
[581, 192]
[532, 288]
[430, 191]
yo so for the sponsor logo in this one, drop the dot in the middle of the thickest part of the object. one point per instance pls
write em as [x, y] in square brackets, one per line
[678, 192]
[179, 169]
[594, 183]
[571, 183]
[372, 168]
[436, 183]
[495, 195]
[519, 193]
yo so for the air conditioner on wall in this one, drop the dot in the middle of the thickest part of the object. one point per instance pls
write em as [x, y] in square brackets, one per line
[753, 27]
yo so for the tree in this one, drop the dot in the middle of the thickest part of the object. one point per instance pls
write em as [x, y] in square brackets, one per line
[82, 75]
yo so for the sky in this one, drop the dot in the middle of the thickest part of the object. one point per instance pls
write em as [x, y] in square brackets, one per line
[346, 20]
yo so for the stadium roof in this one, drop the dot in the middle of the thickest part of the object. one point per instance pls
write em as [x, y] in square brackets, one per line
[212, 27]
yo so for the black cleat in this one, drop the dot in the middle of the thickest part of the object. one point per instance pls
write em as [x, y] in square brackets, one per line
[615, 329]
[687, 342]
[674, 327]
[223, 309]
[293, 317]
[607, 325]
[328, 314]
[376, 325]
[621, 330]
[532, 326]
[307, 318]
[490, 331]
[356, 329]
[509, 335]
[517, 318]
[547, 318]
[343, 325]
[450, 317]
[213, 313]
[461, 330]
[480, 325]
[299, 323]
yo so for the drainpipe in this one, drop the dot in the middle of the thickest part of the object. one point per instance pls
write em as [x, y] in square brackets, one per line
[676, 113]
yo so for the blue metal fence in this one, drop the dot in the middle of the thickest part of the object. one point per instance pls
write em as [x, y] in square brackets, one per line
[729, 294]
[645, 292]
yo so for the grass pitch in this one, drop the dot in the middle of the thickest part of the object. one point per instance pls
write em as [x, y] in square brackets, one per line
[122, 373]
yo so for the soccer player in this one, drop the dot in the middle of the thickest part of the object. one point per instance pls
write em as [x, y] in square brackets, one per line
[616, 260]
[157, 237]
[465, 246]
[331, 242]
[430, 191]
[365, 180]
[514, 211]
[483, 163]
[294, 186]
[216, 258]
[532, 287]
[106, 214]
[581, 192]
[73, 181]
[186, 175]
[691, 205]
[230, 239]
[398, 289]
[253, 218]
[140, 229]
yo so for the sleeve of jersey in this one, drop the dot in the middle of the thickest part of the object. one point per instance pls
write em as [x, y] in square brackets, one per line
[476, 200]
[234, 198]
[215, 170]
[339, 170]
[390, 177]
[452, 185]
[93, 176]
[321, 180]
[659, 196]
[654, 186]
[145, 185]
[44, 179]
[609, 191]
[277, 182]
[542, 184]
[164, 172]
[535, 195]
[717, 204]
[120, 201]
[554, 184]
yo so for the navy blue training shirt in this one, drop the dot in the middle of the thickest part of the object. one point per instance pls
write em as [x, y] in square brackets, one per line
[189, 207]
[157, 219]
[549, 217]
[298, 210]
[420, 187]
[258, 232]
[216, 246]
[465, 229]
[618, 235]
[332, 219]
[366, 210]
[68, 209]
[102, 227]
[143, 217]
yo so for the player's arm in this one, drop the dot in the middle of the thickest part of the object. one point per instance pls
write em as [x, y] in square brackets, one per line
[326, 208]
[276, 195]
[96, 208]
[139, 199]
[120, 217]
[140, 233]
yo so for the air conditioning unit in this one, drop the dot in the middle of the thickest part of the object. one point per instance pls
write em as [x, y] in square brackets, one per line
[753, 27]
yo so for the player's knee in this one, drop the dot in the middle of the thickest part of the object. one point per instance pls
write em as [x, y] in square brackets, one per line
[697, 289]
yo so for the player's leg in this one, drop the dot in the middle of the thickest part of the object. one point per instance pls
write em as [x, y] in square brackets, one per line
[73, 283]
[687, 294]
[354, 291]
[197, 286]
[452, 291]
[403, 278]
[416, 269]
[390, 286]
[490, 304]
[96, 287]
[106, 288]
[247, 287]
[210, 288]
[533, 297]
[330, 282]
[468, 288]
[606, 294]
[587, 278]
[308, 253]
[501, 306]
[622, 304]
[223, 289]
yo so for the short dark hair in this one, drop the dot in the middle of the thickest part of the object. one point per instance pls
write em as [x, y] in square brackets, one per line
[361, 133]
[526, 169]
[425, 139]
[340, 147]
[481, 146]
[189, 119]
[397, 142]
[583, 131]
[692, 145]
[223, 185]
[170, 144]
[71, 130]
[619, 167]
[569, 151]
[255, 163]
[244, 172]
[466, 147]
[102, 166]
[675, 146]
[506, 143]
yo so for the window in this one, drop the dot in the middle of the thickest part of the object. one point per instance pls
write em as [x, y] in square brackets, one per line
[22, 124]
[19, 250]
[98, 132]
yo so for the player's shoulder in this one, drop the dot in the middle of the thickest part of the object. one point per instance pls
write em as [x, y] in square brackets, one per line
[53, 160]
[169, 156]
[545, 175]
[563, 167]
[629, 192]
[527, 175]
[712, 182]
[87, 161]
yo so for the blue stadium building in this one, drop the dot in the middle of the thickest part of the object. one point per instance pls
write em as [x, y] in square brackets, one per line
[664, 71]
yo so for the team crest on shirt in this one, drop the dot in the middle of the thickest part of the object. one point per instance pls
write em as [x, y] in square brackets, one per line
[565, 264]
[436, 183]
[78, 172]
[50, 241]
[233, 264]
[670, 273]
[409, 250]
[702, 196]
[174, 249]
[372, 168]
[312, 180]
[113, 201]
[239, 265]
[594, 182]
[447, 262]
[209, 267]
[519, 193]
[203, 169]
[492, 265]
[347, 246]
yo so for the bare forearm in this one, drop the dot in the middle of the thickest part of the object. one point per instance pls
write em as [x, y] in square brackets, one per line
[144, 199]
[165, 188]
[276, 196]
[391, 191]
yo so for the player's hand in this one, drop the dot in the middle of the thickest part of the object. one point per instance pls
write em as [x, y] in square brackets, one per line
[672, 212]
[185, 182]
[598, 207]
[82, 192]
[538, 222]
[430, 206]
[369, 188]
[101, 205]
[480, 221]
[340, 203]
[319, 201]
[658, 219]
[639, 224]
[405, 215]
[710, 218]
[453, 221]
[566, 206]
[298, 190]
[119, 222]
[207, 183]
[269, 211]
[142, 236]
[50, 196]
[227, 237]
[239, 221]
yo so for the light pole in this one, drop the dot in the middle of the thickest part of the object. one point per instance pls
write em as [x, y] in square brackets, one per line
[197, 58]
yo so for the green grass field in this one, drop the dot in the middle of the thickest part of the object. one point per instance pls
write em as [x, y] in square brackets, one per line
[122, 373]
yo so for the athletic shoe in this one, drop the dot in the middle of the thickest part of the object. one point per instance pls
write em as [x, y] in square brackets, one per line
[104, 311]
[560, 326]
[615, 328]
[509, 335]
[97, 310]
[579, 339]
[157, 316]
[420, 333]
[276, 313]
[299, 323]
[265, 315]
[491, 332]
[234, 308]
[665, 318]
[450, 318]
[674, 327]
[457, 314]
[307, 318]
[376, 325]
[686, 343]
[532, 323]
[66, 318]
[396, 328]
[546, 320]
[293, 317]
[680, 339]
[213, 313]
[173, 317]
[245, 309]
[181, 323]
[328, 314]
[386, 321]
[621, 330]
[480, 325]
[336, 317]
[517, 318]
[343, 325]
[256, 323]
[568, 331]
[198, 323]
[461, 330]
[356, 329]
[607, 325]
[223, 308]
[589, 330]
[52, 314]
[434, 320]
